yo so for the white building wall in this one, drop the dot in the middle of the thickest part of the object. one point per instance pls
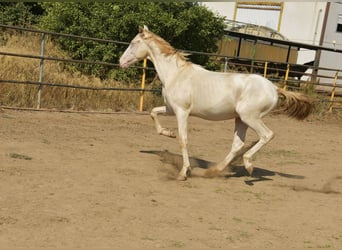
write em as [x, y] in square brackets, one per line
[330, 59]
[225, 9]
[298, 23]
[331, 33]
[302, 22]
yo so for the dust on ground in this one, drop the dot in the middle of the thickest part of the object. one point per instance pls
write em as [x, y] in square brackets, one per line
[95, 180]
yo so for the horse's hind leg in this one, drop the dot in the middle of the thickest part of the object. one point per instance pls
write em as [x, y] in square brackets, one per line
[159, 128]
[265, 135]
[238, 143]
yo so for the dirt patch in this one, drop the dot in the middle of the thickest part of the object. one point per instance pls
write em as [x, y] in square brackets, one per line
[326, 189]
[84, 180]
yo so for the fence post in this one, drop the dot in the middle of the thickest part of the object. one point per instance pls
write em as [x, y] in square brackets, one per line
[333, 93]
[141, 103]
[265, 69]
[225, 64]
[286, 76]
[41, 70]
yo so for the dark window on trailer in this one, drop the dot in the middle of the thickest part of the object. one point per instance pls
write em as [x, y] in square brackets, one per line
[339, 23]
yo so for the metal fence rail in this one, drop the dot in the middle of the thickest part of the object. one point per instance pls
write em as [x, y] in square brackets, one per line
[43, 58]
[285, 81]
[77, 86]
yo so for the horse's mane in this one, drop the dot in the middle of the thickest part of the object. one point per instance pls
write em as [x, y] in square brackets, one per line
[165, 47]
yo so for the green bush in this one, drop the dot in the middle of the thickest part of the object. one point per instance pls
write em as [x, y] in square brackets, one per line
[185, 25]
[20, 13]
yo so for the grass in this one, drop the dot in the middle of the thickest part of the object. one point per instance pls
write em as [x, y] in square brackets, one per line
[310, 244]
[20, 156]
[237, 219]
[177, 244]
[55, 72]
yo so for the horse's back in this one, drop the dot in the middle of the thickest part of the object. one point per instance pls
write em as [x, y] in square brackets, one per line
[218, 96]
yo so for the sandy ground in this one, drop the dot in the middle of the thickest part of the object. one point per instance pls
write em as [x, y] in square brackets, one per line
[92, 180]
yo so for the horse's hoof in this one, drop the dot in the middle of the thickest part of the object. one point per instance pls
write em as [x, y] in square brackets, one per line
[184, 174]
[168, 133]
[172, 134]
[181, 178]
[250, 170]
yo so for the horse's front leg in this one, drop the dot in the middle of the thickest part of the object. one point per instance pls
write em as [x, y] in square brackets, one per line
[159, 128]
[182, 120]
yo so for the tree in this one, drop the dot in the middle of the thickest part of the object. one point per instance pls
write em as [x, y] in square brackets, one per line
[185, 25]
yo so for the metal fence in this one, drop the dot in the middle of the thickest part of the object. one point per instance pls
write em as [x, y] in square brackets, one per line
[279, 75]
[40, 83]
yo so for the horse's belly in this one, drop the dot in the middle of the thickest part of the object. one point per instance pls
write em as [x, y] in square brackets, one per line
[213, 106]
[217, 114]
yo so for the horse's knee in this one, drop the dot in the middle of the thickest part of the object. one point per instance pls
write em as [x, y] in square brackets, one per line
[267, 137]
[237, 146]
[153, 114]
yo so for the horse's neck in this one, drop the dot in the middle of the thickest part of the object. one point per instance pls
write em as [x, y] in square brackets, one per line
[167, 66]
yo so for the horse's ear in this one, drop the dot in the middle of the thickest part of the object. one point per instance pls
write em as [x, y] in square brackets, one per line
[142, 29]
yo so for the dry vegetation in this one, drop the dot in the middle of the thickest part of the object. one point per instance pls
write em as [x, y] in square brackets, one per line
[26, 69]
[56, 72]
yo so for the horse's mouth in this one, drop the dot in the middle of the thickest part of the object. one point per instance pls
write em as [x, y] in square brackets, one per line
[128, 63]
[124, 65]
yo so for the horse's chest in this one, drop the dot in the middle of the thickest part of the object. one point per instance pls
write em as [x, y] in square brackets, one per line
[177, 97]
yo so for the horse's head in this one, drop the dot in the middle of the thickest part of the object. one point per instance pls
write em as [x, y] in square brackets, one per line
[137, 49]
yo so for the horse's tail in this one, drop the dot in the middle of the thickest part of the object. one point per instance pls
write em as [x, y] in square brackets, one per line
[295, 104]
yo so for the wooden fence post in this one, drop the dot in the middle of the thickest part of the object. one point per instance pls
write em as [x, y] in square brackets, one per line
[333, 93]
[286, 76]
[41, 70]
[265, 69]
[225, 64]
[141, 103]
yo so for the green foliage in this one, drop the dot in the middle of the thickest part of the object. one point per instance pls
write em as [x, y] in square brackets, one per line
[185, 25]
[19, 13]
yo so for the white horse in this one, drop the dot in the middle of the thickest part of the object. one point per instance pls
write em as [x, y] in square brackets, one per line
[189, 89]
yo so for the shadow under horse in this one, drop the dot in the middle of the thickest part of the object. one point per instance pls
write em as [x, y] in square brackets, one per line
[200, 168]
